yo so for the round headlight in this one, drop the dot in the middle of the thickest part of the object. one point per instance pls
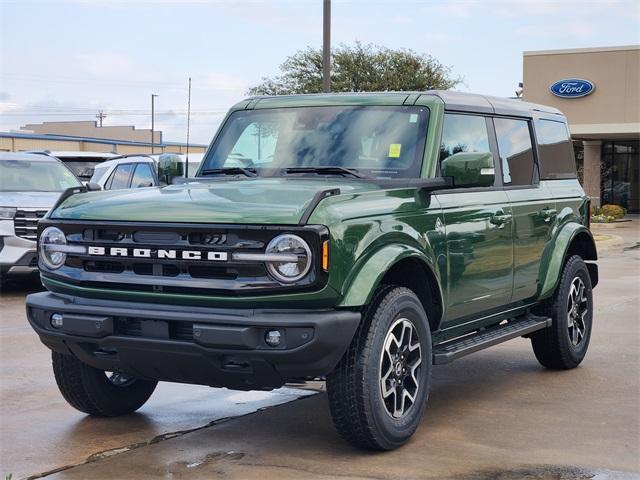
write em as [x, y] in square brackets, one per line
[287, 271]
[52, 236]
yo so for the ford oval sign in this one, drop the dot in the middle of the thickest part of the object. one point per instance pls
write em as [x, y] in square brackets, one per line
[572, 88]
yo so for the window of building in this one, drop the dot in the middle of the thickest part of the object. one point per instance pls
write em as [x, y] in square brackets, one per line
[556, 153]
[516, 151]
[143, 176]
[620, 174]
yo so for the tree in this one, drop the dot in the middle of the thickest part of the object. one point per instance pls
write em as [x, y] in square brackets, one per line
[360, 68]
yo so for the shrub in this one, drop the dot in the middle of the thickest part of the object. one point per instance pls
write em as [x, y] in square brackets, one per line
[601, 218]
[615, 211]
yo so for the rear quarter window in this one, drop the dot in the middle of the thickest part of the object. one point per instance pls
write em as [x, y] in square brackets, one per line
[556, 156]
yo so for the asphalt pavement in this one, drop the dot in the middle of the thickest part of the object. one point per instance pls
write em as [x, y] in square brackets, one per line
[493, 415]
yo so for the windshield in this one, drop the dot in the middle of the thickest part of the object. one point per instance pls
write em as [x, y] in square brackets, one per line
[377, 142]
[98, 172]
[82, 167]
[38, 176]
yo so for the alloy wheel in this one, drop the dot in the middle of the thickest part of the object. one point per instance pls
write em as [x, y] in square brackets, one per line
[400, 362]
[577, 309]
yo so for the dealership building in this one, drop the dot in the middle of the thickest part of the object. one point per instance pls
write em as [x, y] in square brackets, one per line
[598, 89]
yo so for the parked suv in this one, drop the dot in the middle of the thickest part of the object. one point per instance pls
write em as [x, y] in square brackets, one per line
[361, 238]
[128, 171]
[135, 171]
[29, 186]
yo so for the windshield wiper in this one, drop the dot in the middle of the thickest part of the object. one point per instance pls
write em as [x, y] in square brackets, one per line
[328, 170]
[249, 172]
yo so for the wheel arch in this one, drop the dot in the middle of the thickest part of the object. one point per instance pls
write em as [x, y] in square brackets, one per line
[572, 239]
[403, 266]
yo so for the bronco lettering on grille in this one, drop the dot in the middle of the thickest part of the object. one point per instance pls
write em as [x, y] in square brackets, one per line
[159, 253]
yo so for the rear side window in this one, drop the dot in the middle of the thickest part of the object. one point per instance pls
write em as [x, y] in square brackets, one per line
[556, 152]
[463, 133]
[516, 151]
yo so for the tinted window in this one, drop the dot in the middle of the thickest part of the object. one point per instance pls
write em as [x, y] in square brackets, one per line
[463, 133]
[516, 151]
[143, 176]
[556, 152]
[120, 177]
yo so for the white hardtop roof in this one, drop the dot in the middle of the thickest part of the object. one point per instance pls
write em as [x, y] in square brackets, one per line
[193, 157]
[79, 154]
[127, 159]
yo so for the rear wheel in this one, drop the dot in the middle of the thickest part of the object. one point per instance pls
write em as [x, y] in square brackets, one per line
[92, 391]
[564, 344]
[378, 391]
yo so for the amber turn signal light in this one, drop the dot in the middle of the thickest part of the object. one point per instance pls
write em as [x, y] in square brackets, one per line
[325, 255]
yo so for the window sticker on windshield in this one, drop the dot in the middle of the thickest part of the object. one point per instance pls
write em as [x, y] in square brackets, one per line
[394, 150]
[413, 118]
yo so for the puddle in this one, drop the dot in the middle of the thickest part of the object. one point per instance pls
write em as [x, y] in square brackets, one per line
[548, 472]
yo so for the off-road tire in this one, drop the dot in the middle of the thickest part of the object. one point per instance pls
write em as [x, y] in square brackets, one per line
[552, 346]
[355, 396]
[89, 390]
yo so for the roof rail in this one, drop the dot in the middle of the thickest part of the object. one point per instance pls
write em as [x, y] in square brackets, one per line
[132, 155]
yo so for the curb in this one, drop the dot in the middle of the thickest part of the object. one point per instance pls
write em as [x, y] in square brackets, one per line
[612, 225]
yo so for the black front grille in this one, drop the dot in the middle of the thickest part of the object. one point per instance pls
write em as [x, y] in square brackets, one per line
[26, 222]
[150, 272]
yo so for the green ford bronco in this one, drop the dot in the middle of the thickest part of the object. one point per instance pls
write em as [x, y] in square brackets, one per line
[357, 238]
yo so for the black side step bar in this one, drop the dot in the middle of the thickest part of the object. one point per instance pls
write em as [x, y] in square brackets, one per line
[449, 351]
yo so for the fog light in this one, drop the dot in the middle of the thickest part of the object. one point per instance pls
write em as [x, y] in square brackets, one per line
[273, 337]
[56, 320]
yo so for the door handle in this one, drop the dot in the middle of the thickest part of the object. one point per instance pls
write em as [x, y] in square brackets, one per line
[501, 219]
[548, 213]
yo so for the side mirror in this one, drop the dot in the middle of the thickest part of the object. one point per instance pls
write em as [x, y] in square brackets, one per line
[93, 187]
[469, 169]
[170, 166]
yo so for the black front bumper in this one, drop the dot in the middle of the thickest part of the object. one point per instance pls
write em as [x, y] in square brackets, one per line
[198, 345]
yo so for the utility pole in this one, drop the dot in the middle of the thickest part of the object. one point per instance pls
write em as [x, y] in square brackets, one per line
[101, 116]
[186, 162]
[326, 46]
[153, 119]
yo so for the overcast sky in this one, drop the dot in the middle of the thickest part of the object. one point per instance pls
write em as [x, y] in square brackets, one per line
[68, 59]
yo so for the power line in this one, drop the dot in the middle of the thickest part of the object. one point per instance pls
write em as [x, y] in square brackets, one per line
[117, 82]
[111, 114]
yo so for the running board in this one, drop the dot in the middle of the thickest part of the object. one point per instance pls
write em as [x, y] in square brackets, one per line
[449, 351]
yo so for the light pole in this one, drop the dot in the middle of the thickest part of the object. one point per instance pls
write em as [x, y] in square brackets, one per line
[153, 118]
[326, 46]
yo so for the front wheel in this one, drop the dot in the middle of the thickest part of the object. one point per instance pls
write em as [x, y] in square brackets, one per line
[378, 391]
[564, 344]
[98, 393]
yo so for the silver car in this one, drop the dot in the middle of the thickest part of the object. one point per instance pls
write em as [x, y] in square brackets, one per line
[30, 185]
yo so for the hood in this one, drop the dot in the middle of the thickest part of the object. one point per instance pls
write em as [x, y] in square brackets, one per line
[279, 201]
[43, 200]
